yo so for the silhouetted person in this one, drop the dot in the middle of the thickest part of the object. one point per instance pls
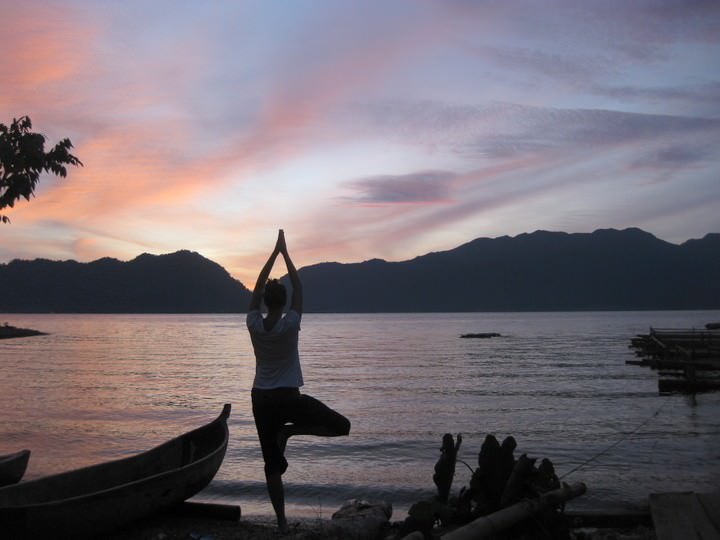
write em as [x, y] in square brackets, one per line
[280, 410]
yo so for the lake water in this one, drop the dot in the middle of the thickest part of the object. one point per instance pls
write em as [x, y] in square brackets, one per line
[100, 387]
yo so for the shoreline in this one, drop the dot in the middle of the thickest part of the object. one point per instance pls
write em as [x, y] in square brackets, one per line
[360, 519]
[173, 526]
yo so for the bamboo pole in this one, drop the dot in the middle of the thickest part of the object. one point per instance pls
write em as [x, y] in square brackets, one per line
[485, 526]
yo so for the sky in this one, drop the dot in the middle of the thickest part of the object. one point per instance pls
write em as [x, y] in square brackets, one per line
[365, 129]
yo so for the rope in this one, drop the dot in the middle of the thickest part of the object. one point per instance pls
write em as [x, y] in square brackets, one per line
[613, 445]
[468, 466]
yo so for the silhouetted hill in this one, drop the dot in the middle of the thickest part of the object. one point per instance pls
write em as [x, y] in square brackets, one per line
[604, 270]
[181, 282]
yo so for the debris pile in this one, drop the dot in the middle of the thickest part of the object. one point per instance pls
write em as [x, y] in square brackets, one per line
[499, 482]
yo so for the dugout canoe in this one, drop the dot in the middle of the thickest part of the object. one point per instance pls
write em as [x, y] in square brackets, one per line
[86, 502]
[12, 467]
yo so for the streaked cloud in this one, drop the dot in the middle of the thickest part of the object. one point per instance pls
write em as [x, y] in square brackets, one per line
[424, 187]
[504, 129]
[365, 129]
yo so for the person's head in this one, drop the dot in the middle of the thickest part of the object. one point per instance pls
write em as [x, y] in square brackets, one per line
[275, 295]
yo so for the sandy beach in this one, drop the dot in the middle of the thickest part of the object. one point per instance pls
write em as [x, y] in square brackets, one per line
[174, 527]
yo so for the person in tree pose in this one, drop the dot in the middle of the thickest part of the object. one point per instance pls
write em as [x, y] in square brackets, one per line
[280, 410]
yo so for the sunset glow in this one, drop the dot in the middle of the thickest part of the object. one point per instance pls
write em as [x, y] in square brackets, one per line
[364, 129]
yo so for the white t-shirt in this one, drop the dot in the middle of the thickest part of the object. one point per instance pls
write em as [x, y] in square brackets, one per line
[277, 361]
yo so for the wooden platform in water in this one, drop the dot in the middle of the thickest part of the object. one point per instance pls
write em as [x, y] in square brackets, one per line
[674, 348]
[686, 516]
[687, 359]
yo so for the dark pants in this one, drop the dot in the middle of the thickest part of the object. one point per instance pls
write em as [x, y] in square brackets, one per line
[274, 408]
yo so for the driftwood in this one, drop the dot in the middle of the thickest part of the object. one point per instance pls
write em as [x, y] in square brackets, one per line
[496, 463]
[445, 466]
[481, 335]
[498, 483]
[515, 486]
[485, 526]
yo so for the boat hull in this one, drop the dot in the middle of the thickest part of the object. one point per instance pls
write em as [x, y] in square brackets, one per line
[12, 467]
[99, 498]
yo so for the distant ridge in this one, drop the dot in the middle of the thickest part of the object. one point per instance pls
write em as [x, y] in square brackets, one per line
[541, 271]
[181, 282]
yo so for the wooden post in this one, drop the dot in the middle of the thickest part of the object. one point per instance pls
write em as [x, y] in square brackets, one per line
[485, 526]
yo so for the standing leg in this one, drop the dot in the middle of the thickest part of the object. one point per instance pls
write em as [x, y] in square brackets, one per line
[268, 420]
[277, 498]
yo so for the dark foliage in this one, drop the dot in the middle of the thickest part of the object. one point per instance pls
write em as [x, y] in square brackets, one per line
[23, 159]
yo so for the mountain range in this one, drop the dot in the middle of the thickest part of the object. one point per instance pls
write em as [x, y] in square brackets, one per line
[541, 271]
[180, 282]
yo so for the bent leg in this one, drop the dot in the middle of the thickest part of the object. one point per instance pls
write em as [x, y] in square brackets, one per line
[312, 417]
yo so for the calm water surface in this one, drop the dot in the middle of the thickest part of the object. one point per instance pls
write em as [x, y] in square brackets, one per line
[100, 387]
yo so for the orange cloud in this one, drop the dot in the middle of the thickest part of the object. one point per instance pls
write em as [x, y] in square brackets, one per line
[41, 54]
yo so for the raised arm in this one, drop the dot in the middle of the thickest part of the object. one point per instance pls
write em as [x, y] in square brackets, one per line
[296, 303]
[264, 275]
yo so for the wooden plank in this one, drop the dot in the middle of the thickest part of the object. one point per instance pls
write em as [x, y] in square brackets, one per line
[680, 516]
[711, 504]
[659, 343]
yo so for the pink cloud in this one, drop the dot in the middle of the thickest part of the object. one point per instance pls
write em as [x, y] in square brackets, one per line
[41, 55]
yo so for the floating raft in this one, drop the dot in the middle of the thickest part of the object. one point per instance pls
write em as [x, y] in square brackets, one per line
[692, 354]
[7, 332]
[481, 335]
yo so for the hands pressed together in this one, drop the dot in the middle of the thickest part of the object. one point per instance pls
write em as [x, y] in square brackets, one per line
[280, 249]
[280, 245]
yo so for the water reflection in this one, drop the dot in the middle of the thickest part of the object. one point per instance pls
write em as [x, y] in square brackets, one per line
[105, 386]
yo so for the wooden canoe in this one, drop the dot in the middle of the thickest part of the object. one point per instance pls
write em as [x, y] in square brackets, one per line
[102, 497]
[12, 467]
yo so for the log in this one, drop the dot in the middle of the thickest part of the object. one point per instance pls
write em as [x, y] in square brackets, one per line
[486, 526]
[515, 485]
